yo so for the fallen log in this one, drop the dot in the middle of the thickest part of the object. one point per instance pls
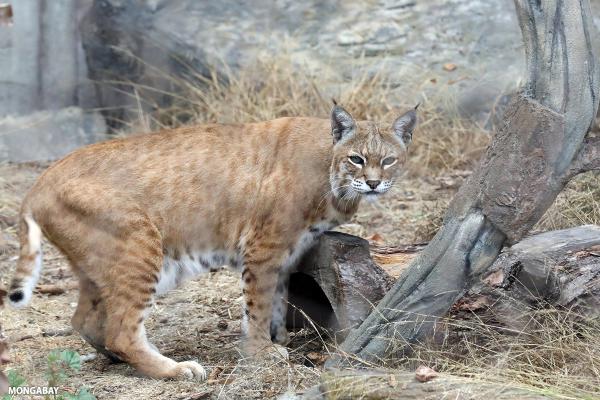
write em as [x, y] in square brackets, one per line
[371, 385]
[558, 269]
[555, 269]
[336, 286]
[342, 278]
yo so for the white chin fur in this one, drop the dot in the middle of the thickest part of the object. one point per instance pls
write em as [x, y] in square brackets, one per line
[371, 198]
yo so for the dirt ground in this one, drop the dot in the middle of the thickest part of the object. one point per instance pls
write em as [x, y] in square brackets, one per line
[200, 320]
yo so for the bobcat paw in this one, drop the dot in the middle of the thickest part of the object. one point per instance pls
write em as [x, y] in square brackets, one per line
[267, 352]
[190, 370]
[272, 353]
[278, 352]
[280, 335]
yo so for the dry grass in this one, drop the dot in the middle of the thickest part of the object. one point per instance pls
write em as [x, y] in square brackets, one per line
[578, 204]
[430, 220]
[276, 88]
[558, 353]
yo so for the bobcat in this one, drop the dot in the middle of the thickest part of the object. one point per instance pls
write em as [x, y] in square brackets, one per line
[137, 216]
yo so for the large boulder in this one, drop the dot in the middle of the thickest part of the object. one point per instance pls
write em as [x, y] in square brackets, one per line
[472, 47]
[48, 135]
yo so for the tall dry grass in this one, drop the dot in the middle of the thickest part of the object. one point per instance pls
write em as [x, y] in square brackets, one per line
[276, 88]
[578, 204]
[557, 353]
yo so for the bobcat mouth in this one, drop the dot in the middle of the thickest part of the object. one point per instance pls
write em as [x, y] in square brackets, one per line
[373, 192]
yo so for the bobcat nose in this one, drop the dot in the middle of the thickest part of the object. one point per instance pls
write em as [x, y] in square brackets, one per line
[373, 184]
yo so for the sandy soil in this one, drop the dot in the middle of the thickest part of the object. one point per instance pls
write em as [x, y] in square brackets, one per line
[200, 320]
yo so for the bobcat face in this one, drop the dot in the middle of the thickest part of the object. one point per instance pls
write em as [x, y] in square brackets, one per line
[367, 158]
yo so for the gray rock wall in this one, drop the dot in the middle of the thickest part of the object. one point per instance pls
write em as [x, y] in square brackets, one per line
[54, 50]
[42, 67]
[335, 39]
[48, 135]
[41, 58]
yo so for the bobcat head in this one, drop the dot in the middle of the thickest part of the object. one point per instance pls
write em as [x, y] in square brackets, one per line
[367, 157]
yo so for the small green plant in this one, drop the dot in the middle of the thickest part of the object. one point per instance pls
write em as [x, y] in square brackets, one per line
[60, 363]
[82, 394]
[14, 380]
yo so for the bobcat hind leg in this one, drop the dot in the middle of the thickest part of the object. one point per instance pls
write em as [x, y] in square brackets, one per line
[89, 319]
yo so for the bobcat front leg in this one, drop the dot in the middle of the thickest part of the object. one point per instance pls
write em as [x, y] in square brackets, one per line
[259, 282]
[279, 333]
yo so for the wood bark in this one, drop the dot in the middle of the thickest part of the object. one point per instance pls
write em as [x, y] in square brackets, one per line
[342, 277]
[527, 164]
[377, 385]
[558, 269]
[336, 285]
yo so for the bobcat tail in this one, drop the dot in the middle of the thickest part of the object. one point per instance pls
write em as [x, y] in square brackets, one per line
[29, 264]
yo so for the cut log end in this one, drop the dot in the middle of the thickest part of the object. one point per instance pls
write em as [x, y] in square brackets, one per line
[337, 284]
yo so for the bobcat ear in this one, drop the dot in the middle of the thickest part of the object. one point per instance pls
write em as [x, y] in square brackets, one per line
[342, 123]
[404, 125]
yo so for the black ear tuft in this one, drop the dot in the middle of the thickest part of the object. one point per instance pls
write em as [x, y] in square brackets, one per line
[342, 123]
[334, 101]
[404, 125]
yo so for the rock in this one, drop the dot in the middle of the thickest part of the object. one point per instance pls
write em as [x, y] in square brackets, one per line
[425, 374]
[48, 135]
[449, 67]
[387, 33]
[348, 38]
[154, 43]
[123, 45]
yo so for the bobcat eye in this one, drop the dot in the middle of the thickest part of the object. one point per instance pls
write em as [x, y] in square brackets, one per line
[389, 161]
[356, 160]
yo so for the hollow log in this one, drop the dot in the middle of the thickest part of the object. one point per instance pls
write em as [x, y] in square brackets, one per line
[340, 280]
[539, 147]
[336, 285]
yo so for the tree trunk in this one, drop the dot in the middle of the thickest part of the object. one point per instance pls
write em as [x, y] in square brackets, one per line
[539, 148]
